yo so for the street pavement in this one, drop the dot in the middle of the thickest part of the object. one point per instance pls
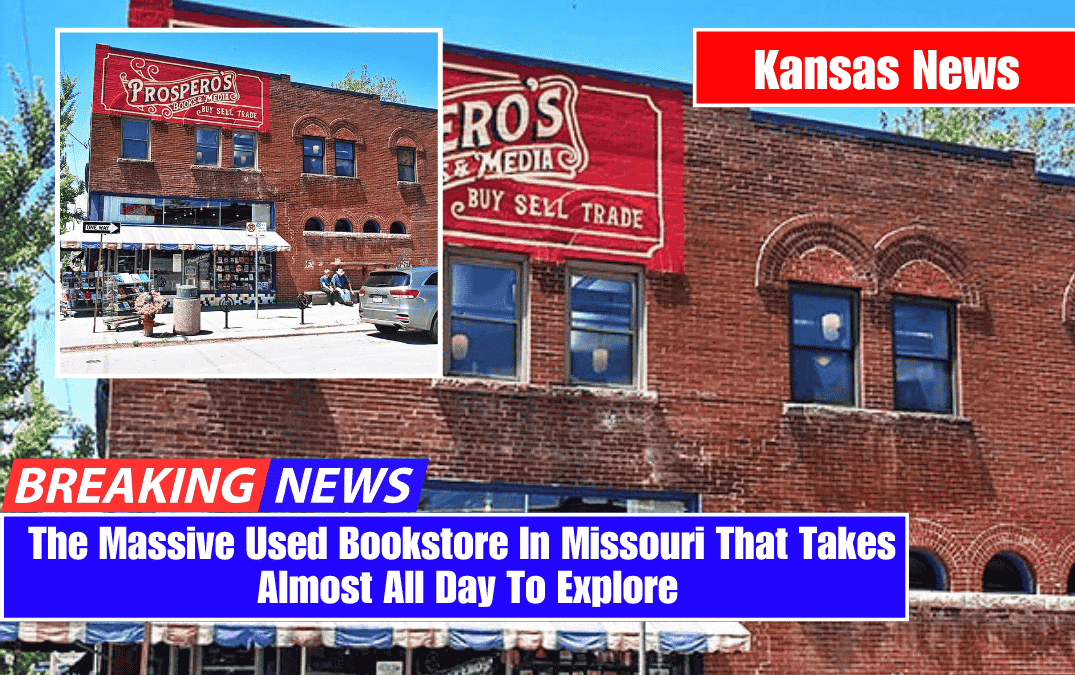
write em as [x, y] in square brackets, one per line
[331, 342]
[352, 354]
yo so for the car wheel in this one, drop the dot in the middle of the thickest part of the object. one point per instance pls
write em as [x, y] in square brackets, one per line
[385, 329]
[432, 333]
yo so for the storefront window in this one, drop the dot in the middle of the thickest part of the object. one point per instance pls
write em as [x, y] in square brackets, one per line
[463, 497]
[178, 211]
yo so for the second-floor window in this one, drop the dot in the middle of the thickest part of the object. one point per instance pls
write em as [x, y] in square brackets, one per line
[135, 139]
[922, 355]
[405, 162]
[345, 158]
[485, 337]
[207, 146]
[604, 336]
[313, 154]
[823, 343]
[243, 150]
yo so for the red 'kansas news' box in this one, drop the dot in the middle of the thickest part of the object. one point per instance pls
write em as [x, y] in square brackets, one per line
[882, 67]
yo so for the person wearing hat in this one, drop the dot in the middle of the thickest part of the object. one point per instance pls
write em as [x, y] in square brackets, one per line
[343, 286]
[329, 288]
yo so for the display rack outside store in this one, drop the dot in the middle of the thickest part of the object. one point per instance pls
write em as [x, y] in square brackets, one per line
[119, 292]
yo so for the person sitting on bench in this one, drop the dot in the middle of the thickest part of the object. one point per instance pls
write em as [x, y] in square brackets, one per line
[329, 288]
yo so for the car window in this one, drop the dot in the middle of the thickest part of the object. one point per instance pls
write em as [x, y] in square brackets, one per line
[432, 280]
[385, 279]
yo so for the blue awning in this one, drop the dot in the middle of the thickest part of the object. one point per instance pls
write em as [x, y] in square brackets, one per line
[666, 637]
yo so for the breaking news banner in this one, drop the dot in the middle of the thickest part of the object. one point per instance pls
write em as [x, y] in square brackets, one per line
[882, 67]
[366, 567]
[215, 485]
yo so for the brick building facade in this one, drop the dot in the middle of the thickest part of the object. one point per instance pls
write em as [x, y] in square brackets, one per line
[951, 276]
[343, 179]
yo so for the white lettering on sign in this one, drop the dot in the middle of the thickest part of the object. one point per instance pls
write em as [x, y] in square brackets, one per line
[525, 130]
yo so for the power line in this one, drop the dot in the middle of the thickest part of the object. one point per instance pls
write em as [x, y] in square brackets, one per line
[26, 41]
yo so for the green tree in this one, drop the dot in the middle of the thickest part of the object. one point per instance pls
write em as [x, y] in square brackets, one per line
[71, 187]
[385, 87]
[26, 231]
[28, 421]
[1047, 132]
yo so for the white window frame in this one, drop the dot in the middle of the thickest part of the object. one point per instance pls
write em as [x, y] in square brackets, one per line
[521, 264]
[637, 277]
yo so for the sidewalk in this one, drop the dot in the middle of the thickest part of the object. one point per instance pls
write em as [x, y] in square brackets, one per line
[76, 333]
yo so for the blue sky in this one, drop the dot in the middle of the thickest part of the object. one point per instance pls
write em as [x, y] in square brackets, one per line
[648, 38]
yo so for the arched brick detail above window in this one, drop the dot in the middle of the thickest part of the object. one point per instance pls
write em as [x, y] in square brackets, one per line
[405, 137]
[1067, 309]
[309, 125]
[936, 539]
[345, 130]
[912, 260]
[1011, 538]
[811, 248]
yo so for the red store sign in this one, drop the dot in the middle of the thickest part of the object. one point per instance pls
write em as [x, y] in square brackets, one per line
[562, 166]
[178, 91]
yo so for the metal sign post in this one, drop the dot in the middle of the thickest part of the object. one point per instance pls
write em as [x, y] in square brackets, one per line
[257, 231]
[101, 227]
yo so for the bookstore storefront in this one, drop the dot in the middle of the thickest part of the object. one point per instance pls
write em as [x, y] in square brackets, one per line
[170, 241]
[487, 648]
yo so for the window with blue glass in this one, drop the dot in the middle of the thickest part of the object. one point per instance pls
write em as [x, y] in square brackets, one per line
[345, 158]
[135, 139]
[242, 144]
[823, 343]
[922, 350]
[603, 341]
[313, 154]
[207, 146]
[486, 318]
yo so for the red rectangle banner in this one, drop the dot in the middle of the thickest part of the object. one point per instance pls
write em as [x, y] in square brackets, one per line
[562, 165]
[882, 67]
[179, 91]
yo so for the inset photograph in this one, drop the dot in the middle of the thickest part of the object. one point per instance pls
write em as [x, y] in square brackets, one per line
[248, 204]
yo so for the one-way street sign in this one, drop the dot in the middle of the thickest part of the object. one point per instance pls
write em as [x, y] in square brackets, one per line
[99, 227]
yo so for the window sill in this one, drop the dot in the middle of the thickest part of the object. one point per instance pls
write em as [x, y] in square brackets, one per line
[405, 183]
[977, 600]
[329, 176]
[831, 409]
[513, 387]
[211, 167]
[133, 160]
[356, 235]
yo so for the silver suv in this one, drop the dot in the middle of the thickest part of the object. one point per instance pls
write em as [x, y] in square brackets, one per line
[402, 297]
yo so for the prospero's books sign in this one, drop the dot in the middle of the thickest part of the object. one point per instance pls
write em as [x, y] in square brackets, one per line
[166, 89]
[562, 165]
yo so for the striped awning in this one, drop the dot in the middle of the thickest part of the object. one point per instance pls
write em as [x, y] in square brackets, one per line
[666, 637]
[140, 237]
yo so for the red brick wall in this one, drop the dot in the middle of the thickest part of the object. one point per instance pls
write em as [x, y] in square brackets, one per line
[374, 194]
[766, 203]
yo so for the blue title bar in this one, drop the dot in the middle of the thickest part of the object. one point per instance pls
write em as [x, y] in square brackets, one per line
[435, 567]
